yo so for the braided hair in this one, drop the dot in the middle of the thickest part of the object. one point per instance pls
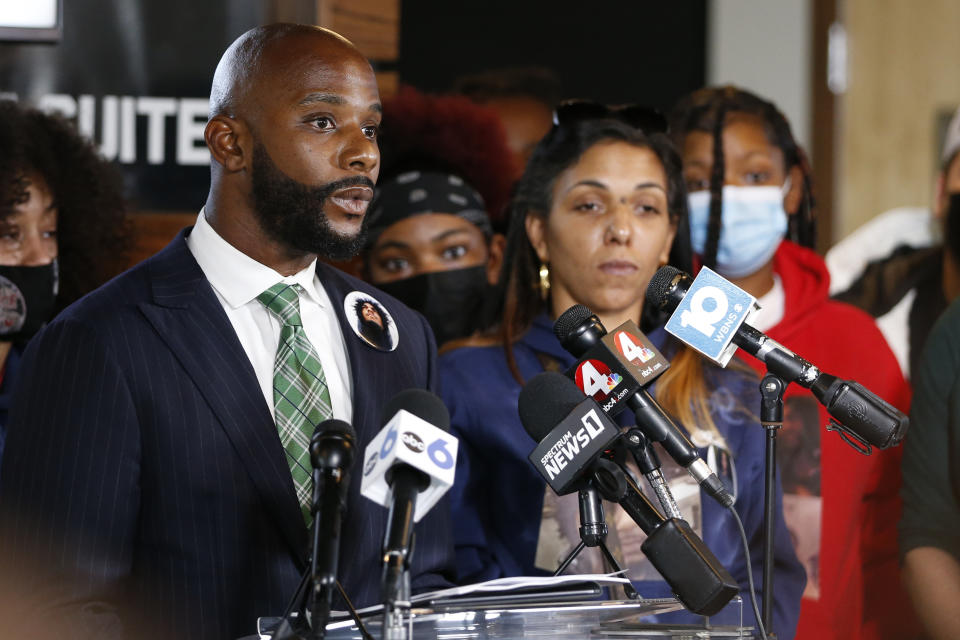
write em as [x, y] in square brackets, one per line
[707, 110]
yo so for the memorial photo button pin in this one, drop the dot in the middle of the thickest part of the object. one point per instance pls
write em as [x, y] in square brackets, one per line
[371, 321]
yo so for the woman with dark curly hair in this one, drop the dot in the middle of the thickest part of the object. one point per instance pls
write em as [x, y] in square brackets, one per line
[63, 229]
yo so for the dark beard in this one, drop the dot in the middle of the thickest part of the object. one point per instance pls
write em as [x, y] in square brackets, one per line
[291, 212]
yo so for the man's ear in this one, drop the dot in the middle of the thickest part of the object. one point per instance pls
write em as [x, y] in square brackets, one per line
[495, 249]
[224, 136]
[791, 201]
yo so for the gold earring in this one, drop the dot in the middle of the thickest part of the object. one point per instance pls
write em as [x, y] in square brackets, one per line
[544, 280]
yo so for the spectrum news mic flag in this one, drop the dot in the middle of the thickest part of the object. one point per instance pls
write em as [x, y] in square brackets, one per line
[710, 314]
[573, 434]
[615, 369]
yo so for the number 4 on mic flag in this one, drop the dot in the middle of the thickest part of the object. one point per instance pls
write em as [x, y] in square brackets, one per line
[636, 352]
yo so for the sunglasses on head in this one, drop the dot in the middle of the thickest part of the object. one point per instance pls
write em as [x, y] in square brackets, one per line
[644, 118]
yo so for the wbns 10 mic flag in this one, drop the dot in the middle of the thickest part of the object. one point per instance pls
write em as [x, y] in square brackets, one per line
[710, 314]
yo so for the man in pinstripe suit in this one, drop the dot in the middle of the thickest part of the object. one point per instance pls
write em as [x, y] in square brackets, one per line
[145, 491]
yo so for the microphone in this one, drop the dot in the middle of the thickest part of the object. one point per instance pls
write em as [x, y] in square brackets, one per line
[570, 429]
[331, 455]
[710, 314]
[630, 359]
[408, 466]
[693, 572]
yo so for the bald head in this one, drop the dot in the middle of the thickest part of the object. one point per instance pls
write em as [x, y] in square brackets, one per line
[294, 119]
[268, 51]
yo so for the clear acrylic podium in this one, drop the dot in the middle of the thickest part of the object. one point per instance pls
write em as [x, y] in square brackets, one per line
[609, 619]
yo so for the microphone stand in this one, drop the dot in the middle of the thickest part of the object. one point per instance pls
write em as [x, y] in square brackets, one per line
[771, 418]
[593, 533]
[323, 585]
[313, 593]
[772, 388]
[649, 464]
[395, 579]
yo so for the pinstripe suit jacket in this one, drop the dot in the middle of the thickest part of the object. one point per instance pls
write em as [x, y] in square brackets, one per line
[144, 485]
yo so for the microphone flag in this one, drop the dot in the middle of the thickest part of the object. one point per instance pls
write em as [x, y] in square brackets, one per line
[709, 315]
[409, 439]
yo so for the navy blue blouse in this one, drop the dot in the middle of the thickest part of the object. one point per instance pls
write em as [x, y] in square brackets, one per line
[497, 500]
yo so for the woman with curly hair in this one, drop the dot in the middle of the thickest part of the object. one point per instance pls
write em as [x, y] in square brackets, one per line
[63, 229]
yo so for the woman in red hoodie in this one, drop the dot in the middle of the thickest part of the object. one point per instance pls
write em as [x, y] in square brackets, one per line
[751, 220]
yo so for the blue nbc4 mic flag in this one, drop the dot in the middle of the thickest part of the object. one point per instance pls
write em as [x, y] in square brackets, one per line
[709, 315]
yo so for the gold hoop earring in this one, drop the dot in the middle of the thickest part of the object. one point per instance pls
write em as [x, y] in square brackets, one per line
[544, 280]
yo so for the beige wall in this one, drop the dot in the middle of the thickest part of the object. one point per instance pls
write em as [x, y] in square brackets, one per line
[904, 68]
[372, 25]
[738, 29]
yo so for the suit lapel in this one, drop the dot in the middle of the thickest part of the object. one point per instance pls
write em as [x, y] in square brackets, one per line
[337, 289]
[189, 318]
[369, 392]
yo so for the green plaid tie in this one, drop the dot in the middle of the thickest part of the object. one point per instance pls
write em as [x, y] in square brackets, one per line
[301, 399]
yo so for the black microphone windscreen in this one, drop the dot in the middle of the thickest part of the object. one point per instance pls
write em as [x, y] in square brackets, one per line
[421, 403]
[335, 427]
[570, 320]
[545, 401]
[660, 285]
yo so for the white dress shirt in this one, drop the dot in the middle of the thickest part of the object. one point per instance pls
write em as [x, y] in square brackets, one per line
[238, 279]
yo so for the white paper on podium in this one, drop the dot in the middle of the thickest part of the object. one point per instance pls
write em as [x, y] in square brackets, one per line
[521, 582]
[502, 584]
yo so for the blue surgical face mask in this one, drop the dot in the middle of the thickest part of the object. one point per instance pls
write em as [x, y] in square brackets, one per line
[753, 223]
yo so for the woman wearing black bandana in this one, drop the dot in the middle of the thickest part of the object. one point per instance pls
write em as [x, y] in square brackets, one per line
[432, 236]
[430, 246]
[60, 211]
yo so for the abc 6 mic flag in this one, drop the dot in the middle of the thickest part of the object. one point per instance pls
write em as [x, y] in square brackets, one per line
[407, 439]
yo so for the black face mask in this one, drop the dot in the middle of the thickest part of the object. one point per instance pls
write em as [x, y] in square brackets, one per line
[28, 298]
[452, 301]
[952, 231]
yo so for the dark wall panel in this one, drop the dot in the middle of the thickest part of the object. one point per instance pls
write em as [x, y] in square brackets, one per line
[135, 74]
[615, 52]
